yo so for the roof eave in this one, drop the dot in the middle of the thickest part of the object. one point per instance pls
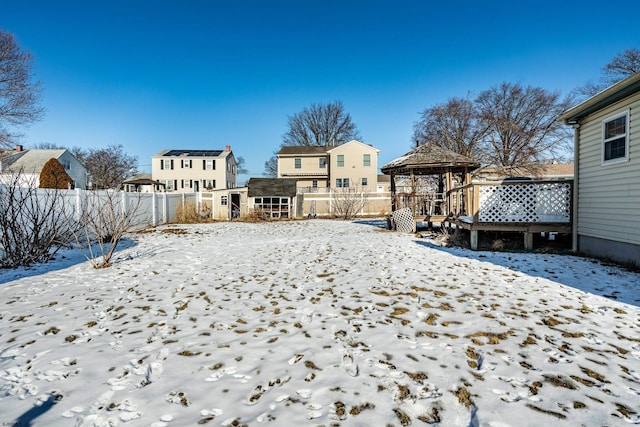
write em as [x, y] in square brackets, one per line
[614, 93]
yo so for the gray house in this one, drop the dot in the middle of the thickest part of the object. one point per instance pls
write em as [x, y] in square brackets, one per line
[607, 172]
[29, 163]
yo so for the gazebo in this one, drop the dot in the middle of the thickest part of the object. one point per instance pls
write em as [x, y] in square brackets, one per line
[422, 180]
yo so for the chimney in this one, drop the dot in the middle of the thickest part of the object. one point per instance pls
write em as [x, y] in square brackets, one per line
[228, 148]
[19, 148]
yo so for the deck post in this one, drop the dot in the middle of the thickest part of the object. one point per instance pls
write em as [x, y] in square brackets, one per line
[528, 241]
[473, 236]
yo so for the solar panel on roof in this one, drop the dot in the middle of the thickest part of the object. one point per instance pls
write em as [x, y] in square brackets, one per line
[193, 153]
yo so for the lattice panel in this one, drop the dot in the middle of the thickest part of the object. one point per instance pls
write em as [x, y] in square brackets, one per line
[403, 220]
[529, 203]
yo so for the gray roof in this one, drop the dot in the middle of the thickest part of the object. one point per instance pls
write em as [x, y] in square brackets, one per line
[272, 187]
[427, 159]
[304, 149]
[31, 161]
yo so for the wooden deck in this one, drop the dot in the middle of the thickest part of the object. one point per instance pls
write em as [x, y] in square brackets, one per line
[527, 207]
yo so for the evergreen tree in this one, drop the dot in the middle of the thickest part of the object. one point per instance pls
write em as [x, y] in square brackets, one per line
[53, 175]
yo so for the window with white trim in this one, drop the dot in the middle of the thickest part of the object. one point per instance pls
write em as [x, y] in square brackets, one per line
[166, 164]
[187, 183]
[615, 138]
[340, 160]
[168, 184]
[186, 163]
[209, 164]
[366, 160]
[342, 182]
[322, 162]
[224, 200]
[209, 184]
[364, 182]
[297, 163]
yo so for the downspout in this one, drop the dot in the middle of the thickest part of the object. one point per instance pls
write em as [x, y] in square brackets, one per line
[576, 167]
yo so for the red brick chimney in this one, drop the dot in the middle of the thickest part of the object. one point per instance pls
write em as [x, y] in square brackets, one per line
[228, 148]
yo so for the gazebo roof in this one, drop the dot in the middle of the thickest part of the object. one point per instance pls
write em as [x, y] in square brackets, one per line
[428, 159]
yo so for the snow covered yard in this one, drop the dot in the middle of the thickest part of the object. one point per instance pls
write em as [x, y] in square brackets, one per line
[318, 323]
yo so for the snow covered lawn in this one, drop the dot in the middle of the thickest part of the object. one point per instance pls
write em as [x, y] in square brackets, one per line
[318, 323]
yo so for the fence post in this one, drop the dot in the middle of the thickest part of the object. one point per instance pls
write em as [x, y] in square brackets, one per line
[78, 209]
[154, 209]
[165, 208]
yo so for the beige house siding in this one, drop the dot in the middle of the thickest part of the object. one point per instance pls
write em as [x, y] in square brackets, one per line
[353, 166]
[609, 194]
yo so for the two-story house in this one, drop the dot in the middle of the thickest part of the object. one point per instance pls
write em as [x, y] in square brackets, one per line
[195, 170]
[351, 165]
[323, 174]
[28, 165]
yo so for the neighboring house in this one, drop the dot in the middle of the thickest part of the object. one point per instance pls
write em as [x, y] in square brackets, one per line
[540, 172]
[350, 165]
[29, 163]
[607, 172]
[195, 170]
[142, 183]
[324, 174]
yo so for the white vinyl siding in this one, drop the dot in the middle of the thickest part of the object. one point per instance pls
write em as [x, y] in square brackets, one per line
[609, 194]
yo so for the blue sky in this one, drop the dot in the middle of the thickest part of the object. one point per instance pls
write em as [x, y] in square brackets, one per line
[198, 74]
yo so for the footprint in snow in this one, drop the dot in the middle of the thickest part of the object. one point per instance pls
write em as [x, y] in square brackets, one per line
[348, 364]
[515, 397]
[305, 393]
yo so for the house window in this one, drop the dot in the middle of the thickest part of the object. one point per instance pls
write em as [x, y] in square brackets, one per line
[615, 138]
[366, 160]
[224, 200]
[187, 183]
[166, 164]
[298, 163]
[342, 182]
[209, 165]
[186, 163]
[168, 185]
[340, 160]
[322, 162]
[364, 182]
[209, 184]
[273, 207]
[314, 183]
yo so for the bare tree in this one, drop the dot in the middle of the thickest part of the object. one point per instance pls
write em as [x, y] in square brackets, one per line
[241, 166]
[324, 125]
[623, 65]
[33, 224]
[271, 167]
[523, 125]
[455, 125]
[19, 94]
[349, 202]
[108, 167]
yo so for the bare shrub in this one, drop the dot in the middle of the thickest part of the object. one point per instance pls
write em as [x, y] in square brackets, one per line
[452, 238]
[103, 218]
[256, 215]
[33, 225]
[348, 202]
[188, 213]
